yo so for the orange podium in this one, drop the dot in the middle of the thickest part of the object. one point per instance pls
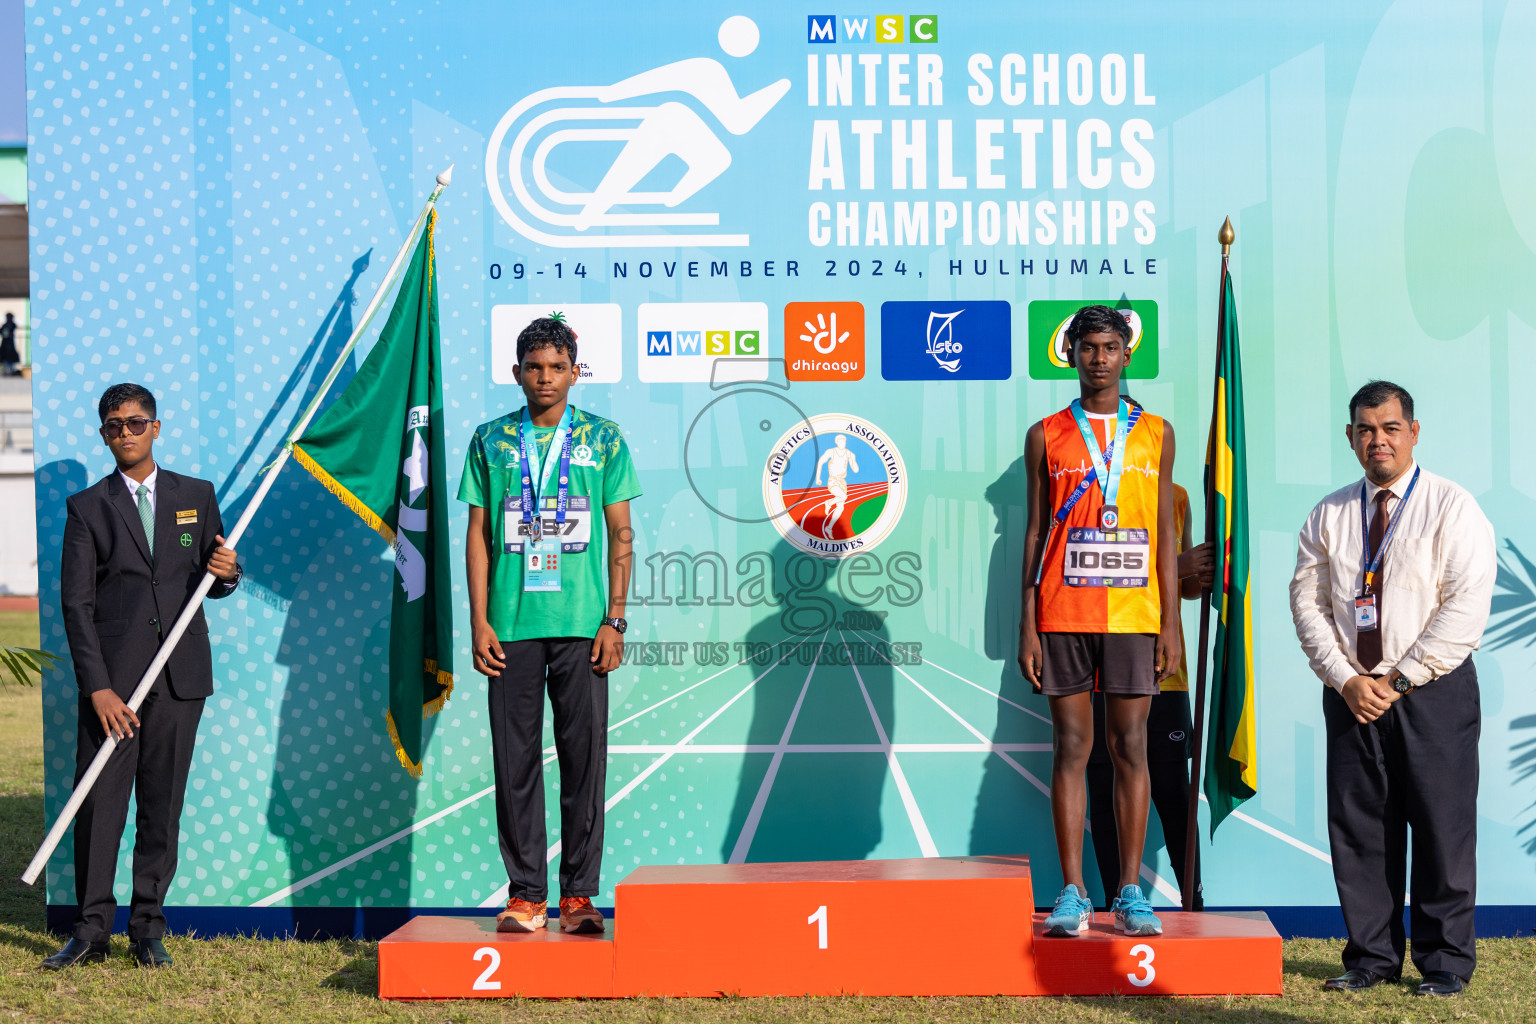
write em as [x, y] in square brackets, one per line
[877, 927]
[921, 927]
[1212, 953]
[467, 958]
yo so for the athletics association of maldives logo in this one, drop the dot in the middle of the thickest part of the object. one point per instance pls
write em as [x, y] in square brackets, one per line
[570, 166]
[834, 485]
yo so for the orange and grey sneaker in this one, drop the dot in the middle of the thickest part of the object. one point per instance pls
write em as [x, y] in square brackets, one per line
[523, 916]
[577, 914]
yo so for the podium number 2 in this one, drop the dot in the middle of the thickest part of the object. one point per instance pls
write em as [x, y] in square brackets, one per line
[1146, 953]
[484, 982]
[819, 919]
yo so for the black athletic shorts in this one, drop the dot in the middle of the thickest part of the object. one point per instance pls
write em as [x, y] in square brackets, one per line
[1168, 728]
[1120, 663]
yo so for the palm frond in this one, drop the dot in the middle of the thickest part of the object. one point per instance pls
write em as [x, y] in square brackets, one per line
[20, 664]
[1513, 617]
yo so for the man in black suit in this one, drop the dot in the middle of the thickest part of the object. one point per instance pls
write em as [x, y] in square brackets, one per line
[136, 545]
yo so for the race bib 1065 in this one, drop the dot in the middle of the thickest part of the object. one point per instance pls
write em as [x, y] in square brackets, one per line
[1106, 558]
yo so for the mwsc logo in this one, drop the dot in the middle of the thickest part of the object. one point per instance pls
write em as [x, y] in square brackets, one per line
[879, 28]
[553, 152]
[703, 342]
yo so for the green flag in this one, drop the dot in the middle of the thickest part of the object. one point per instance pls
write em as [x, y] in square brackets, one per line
[379, 448]
[1231, 763]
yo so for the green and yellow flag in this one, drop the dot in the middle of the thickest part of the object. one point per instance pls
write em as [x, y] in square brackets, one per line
[1231, 762]
[379, 448]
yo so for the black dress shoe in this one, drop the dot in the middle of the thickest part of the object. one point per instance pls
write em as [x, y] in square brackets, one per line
[151, 953]
[1439, 983]
[77, 951]
[1356, 979]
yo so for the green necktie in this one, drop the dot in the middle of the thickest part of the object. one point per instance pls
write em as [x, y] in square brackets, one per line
[147, 517]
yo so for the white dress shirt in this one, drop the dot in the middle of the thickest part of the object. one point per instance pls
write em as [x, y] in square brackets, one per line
[134, 485]
[1436, 587]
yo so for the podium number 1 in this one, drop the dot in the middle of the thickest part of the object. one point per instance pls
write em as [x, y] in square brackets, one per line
[819, 919]
[1146, 953]
[484, 982]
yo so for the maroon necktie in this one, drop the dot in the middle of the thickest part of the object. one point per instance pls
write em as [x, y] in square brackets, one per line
[1368, 642]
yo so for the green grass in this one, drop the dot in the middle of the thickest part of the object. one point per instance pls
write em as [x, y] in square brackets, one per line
[19, 629]
[235, 981]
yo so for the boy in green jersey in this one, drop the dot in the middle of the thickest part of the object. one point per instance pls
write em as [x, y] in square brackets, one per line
[548, 488]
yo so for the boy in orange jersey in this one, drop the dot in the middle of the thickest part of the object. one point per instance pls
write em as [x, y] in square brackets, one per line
[1100, 601]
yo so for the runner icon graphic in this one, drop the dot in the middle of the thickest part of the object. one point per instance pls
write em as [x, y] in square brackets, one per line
[573, 127]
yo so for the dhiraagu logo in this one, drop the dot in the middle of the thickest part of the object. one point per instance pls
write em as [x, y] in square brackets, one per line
[1050, 318]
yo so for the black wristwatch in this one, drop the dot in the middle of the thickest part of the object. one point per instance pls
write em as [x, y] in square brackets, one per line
[618, 624]
[1400, 682]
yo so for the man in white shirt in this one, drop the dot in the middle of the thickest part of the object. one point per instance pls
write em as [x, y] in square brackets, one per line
[1394, 577]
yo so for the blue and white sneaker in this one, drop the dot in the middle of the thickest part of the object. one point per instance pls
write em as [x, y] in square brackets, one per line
[1072, 913]
[1133, 914]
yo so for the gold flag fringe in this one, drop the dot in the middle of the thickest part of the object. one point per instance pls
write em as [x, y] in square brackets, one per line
[347, 498]
[432, 707]
[412, 767]
[445, 680]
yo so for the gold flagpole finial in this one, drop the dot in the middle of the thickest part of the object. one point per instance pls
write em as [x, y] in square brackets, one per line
[1226, 236]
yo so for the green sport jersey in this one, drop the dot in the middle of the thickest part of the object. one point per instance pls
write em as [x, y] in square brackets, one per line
[601, 472]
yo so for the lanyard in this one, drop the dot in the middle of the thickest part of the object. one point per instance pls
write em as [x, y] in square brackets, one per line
[531, 466]
[1125, 422]
[1107, 464]
[1373, 562]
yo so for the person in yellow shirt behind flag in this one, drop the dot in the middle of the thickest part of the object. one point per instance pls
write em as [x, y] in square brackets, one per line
[1169, 728]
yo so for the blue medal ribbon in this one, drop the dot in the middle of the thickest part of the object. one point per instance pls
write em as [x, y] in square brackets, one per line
[532, 469]
[1107, 463]
[1373, 563]
[1112, 459]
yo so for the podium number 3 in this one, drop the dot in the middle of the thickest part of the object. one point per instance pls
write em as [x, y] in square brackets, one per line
[819, 919]
[484, 982]
[1146, 954]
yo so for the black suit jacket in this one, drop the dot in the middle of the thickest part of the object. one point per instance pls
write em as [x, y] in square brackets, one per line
[118, 601]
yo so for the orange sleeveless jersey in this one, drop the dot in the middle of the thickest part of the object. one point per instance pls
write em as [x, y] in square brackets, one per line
[1073, 609]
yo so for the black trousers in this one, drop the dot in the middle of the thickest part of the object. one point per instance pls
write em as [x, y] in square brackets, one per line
[579, 697]
[155, 761]
[1170, 798]
[1415, 766]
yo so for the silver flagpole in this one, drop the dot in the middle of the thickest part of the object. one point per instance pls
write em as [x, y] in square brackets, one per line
[147, 682]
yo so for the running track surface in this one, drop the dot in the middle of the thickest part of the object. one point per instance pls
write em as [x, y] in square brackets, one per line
[804, 506]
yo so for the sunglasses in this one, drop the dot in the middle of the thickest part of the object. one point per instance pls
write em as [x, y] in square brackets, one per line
[114, 428]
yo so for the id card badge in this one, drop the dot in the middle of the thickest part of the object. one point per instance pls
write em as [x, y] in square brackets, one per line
[1365, 613]
[541, 566]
